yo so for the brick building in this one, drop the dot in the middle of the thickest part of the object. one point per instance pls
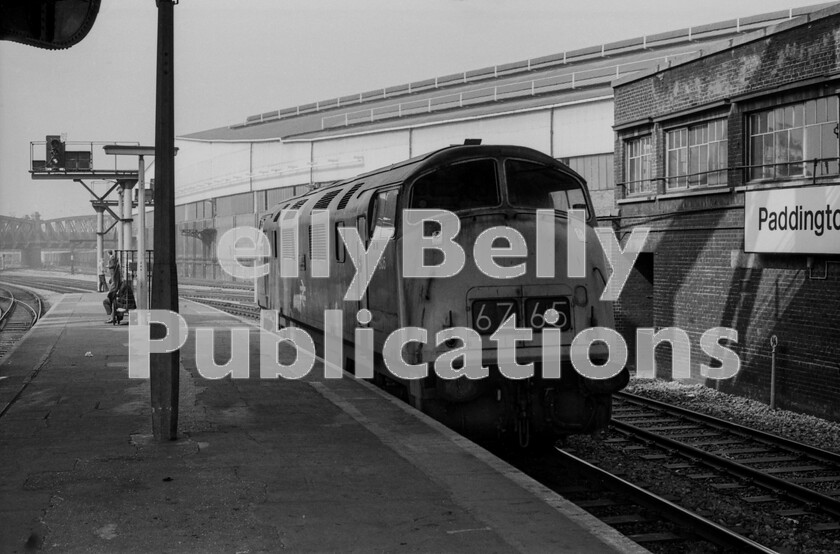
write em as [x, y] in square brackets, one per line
[695, 143]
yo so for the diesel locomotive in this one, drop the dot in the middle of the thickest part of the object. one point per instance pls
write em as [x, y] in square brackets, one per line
[485, 187]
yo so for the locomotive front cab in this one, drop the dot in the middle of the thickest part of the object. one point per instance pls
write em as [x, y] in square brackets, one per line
[496, 194]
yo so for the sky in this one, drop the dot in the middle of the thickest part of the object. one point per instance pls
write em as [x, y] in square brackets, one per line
[235, 59]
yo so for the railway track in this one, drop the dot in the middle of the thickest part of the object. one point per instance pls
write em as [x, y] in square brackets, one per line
[749, 470]
[232, 305]
[649, 519]
[756, 467]
[235, 296]
[226, 285]
[54, 284]
[20, 309]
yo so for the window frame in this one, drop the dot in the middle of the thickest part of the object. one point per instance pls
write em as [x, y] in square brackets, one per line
[645, 158]
[766, 123]
[582, 186]
[376, 204]
[497, 180]
[712, 139]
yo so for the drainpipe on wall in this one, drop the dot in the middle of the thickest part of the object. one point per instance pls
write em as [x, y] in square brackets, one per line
[774, 341]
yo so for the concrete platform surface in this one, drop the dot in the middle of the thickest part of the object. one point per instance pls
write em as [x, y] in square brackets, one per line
[309, 465]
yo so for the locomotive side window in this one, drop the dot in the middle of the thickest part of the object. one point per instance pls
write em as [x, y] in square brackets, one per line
[340, 252]
[458, 187]
[532, 185]
[384, 210]
[361, 226]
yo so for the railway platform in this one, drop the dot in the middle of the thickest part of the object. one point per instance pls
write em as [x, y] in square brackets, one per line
[259, 466]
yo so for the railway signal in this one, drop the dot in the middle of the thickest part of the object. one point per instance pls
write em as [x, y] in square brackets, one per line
[56, 154]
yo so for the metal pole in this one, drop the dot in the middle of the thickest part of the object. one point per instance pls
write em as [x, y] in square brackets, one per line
[142, 288]
[164, 367]
[100, 232]
[774, 341]
[126, 223]
[120, 212]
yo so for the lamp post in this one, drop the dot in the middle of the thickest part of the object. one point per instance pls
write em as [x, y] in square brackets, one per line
[165, 366]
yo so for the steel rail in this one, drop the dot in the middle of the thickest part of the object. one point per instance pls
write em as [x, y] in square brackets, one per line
[45, 284]
[230, 285]
[232, 307]
[697, 524]
[780, 486]
[8, 311]
[36, 312]
[755, 434]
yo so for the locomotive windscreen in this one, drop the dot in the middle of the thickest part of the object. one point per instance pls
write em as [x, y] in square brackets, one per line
[458, 187]
[532, 185]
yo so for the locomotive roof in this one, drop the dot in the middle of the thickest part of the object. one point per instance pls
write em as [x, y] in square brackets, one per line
[401, 171]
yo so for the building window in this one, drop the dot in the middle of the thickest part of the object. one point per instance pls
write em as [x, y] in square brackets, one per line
[697, 155]
[639, 157]
[795, 140]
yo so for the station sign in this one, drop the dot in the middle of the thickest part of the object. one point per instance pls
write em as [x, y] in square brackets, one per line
[803, 220]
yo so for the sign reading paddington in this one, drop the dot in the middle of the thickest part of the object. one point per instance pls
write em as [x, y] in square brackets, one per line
[802, 220]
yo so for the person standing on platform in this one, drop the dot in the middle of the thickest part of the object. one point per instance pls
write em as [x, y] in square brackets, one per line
[114, 276]
[115, 280]
[103, 285]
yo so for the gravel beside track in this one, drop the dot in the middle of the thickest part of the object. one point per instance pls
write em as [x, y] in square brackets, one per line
[763, 522]
[800, 427]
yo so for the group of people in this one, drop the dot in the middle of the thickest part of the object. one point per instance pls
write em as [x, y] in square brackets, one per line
[119, 290]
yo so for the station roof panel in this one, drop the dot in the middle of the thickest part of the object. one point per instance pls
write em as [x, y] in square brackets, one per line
[571, 76]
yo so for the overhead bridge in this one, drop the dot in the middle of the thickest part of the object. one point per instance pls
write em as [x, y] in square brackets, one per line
[31, 236]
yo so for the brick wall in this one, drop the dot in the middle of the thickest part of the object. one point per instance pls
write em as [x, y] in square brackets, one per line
[803, 52]
[699, 283]
[701, 276]
[634, 309]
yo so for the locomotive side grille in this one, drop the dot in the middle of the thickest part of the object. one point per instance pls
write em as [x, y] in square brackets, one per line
[325, 200]
[287, 243]
[346, 198]
[318, 242]
[296, 206]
